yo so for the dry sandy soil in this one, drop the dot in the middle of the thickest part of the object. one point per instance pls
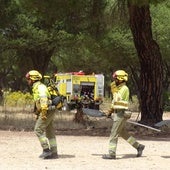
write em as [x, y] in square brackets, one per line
[20, 151]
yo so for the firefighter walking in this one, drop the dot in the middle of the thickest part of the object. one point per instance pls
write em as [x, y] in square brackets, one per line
[44, 122]
[119, 106]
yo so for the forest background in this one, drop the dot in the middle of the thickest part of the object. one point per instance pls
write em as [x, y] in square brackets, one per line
[89, 35]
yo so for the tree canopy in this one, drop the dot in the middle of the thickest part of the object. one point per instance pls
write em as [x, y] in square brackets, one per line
[75, 35]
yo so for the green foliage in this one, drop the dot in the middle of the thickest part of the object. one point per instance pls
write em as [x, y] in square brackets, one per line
[145, 2]
[134, 104]
[17, 99]
[166, 99]
[161, 27]
[83, 55]
[8, 12]
[75, 35]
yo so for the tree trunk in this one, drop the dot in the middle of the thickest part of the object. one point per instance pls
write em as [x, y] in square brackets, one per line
[150, 59]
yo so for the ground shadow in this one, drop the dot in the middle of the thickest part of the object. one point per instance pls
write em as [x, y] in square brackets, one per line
[66, 156]
[129, 156]
[165, 156]
[121, 156]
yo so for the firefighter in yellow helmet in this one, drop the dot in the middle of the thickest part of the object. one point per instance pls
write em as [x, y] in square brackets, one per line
[120, 106]
[44, 122]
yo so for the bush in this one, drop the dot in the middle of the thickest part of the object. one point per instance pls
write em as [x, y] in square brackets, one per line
[17, 99]
[134, 104]
[166, 101]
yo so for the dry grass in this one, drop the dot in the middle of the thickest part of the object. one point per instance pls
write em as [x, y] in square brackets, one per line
[22, 119]
[17, 118]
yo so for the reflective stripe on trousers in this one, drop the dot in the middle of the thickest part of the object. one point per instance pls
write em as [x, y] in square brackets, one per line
[53, 144]
[45, 131]
[118, 129]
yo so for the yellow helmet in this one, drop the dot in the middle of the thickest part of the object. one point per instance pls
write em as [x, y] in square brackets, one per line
[120, 75]
[33, 75]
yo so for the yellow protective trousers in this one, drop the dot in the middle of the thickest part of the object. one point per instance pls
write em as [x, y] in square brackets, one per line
[118, 129]
[45, 132]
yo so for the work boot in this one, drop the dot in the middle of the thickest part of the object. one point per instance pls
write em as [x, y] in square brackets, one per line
[42, 155]
[52, 156]
[108, 156]
[140, 150]
[46, 153]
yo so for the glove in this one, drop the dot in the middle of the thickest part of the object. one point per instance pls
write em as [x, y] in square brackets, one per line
[43, 114]
[109, 112]
[59, 106]
[36, 117]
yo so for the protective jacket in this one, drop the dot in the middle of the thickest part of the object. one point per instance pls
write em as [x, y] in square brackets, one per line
[121, 97]
[41, 96]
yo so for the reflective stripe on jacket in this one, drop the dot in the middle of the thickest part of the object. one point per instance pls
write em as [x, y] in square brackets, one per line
[121, 98]
[41, 95]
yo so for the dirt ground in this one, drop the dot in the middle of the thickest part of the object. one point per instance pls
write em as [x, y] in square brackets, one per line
[82, 150]
[20, 151]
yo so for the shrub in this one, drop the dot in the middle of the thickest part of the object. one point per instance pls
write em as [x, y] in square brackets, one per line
[166, 101]
[134, 104]
[17, 99]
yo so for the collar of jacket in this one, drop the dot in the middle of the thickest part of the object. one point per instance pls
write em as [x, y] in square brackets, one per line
[36, 84]
[121, 84]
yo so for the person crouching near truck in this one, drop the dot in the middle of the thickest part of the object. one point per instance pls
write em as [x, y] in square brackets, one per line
[121, 115]
[44, 123]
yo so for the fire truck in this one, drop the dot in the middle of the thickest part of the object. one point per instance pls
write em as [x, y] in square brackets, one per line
[77, 87]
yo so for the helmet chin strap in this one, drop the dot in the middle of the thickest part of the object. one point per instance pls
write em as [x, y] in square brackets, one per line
[32, 82]
[118, 82]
